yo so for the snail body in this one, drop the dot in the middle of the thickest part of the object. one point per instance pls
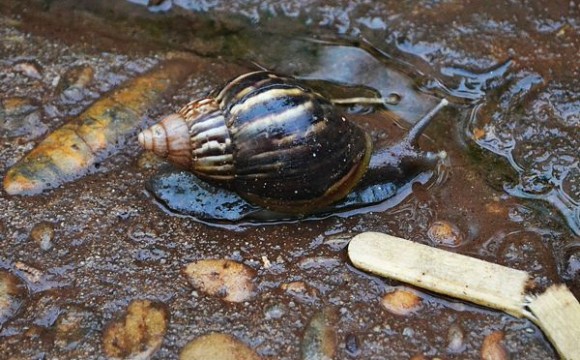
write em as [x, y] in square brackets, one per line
[280, 145]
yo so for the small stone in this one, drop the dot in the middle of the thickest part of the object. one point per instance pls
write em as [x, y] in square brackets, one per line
[319, 262]
[455, 339]
[76, 77]
[43, 234]
[319, 340]
[351, 345]
[266, 263]
[72, 326]
[295, 287]
[418, 357]
[15, 106]
[20, 116]
[227, 279]
[275, 312]
[478, 133]
[12, 295]
[139, 333]
[31, 273]
[572, 263]
[28, 68]
[492, 348]
[402, 301]
[301, 291]
[217, 346]
[445, 233]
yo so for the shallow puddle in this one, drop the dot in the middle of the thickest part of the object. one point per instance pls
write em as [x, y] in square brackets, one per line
[75, 257]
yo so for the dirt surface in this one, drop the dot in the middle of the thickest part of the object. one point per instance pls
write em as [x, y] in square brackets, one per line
[510, 191]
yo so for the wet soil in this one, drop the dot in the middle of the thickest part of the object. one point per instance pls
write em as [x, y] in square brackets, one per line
[511, 187]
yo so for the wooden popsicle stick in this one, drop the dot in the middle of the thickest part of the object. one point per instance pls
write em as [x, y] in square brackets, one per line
[441, 271]
[557, 313]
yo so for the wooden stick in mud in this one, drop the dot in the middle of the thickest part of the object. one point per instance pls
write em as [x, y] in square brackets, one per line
[556, 311]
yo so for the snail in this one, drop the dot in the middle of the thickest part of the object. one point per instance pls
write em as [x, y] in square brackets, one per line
[283, 146]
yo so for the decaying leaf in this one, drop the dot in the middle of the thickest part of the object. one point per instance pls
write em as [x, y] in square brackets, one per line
[71, 150]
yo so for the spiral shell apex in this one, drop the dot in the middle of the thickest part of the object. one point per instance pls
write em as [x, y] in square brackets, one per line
[168, 139]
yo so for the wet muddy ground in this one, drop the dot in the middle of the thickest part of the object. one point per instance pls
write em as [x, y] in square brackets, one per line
[75, 257]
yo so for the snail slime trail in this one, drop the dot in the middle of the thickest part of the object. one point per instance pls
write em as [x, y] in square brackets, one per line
[282, 146]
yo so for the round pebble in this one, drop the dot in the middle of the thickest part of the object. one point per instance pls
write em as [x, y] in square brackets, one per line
[455, 339]
[227, 279]
[12, 295]
[445, 233]
[139, 333]
[402, 301]
[28, 68]
[72, 326]
[76, 77]
[43, 234]
[217, 346]
[352, 345]
[492, 347]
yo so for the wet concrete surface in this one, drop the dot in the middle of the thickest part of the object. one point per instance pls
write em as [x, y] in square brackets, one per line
[87, 249]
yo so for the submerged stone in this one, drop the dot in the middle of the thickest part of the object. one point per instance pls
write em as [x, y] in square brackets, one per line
[139, 333]
[217, 346]
[12, 295]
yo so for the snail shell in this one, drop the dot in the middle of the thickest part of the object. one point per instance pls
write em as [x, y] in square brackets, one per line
[271, 139]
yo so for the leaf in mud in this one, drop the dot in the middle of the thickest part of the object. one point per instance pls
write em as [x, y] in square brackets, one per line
[71, 150]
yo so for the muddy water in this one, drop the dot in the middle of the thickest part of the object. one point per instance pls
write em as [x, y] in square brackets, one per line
[510, 188]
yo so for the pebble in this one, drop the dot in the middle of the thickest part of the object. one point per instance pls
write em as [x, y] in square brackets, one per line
[43, 234]
[351, 345]
[31, 273]
[139, 333]
[28, 68]
[402, 301]
[227, 279]
[72, 326]
[15, 106]
[276, 311]
[445, 233]
[76, 77]
[301, 291]
[217, 346]
[319, 262]
[12, 295]
[19, 116]
[492, 347]
[319, 340]
[572, 262]
[455, 339]
[418, 357]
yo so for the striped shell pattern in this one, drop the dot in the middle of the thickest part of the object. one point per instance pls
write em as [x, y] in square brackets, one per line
[275, 142]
